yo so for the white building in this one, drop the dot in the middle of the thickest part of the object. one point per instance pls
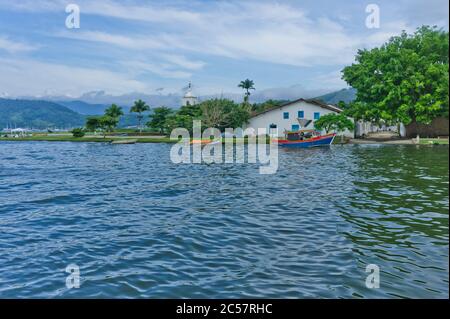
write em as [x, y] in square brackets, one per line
[189, 98]
[286, 117]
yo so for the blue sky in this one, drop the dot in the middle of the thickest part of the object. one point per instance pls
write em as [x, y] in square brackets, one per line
[158, 46]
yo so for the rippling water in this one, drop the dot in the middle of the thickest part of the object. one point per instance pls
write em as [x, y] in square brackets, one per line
[139, 226]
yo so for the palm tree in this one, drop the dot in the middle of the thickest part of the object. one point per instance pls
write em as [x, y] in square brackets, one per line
[247, 85]
[114, 111]
[139, 107]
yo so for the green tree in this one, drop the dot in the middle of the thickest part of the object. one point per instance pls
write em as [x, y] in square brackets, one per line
[184, 117]
[108, 124]
[214, 112]
[114, 111]
[93, 123]
[78, 132]
[334, 122]
[237, 117]
[105, 123]
[193, 111]
[139, 107]
[247, 85]
[110, 120]
[179, 120]
[403, 81]
[158, 119]
[223, 113]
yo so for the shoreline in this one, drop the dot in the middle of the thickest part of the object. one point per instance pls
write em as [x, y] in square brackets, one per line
[162, 139]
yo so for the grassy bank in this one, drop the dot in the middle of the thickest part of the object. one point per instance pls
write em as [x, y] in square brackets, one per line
[434, 141]
[99, 139]
[68, 138]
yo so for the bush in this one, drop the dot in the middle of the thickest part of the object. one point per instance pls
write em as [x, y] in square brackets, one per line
[78, 132]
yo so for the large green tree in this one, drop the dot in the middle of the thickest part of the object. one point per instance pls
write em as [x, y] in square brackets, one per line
[224, 113]
[184, 117]
[93, 123]
[219, 113]
[405, 80]
[139, 107]
[334, 122]
[158, 119]
[114, 111]
[108, 123]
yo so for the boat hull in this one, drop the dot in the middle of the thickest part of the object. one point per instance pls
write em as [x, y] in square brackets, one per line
[324, 140]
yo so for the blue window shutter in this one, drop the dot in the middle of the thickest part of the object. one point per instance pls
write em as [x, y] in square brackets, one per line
[286, 115]
[316, 115]
[295, 127]
[301, 114]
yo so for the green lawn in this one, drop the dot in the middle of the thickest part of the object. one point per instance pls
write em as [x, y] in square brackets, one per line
[68, 138]
[434, 141]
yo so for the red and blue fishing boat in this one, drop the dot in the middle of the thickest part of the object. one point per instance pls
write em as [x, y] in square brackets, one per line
[306, 139]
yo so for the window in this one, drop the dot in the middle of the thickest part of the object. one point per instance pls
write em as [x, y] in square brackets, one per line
[295, 127]
[316, 115]
[301, 114]
[272, 126]
[286, 115]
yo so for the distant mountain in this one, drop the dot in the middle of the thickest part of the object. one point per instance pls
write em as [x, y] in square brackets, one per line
[345, 95]
[83, 107]
[37, 114]
[125, 100]
[172, 100]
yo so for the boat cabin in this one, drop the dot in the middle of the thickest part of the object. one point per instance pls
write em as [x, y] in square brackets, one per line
[301, 135]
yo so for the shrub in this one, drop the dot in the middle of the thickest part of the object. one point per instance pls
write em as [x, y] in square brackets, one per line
[78, 132]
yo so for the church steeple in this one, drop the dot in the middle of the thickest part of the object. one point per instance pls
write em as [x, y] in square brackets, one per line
[189, 98]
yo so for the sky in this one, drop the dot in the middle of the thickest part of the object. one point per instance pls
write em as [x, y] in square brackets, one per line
[156, 47]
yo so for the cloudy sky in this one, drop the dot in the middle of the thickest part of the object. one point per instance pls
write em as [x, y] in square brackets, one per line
[158, 46]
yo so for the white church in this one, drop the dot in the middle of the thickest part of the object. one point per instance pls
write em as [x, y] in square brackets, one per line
[289, 116]
[189, 98]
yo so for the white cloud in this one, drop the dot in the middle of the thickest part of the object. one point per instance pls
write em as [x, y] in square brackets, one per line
[15, 47]
[262, 31]
[164, 70]
[330, 80]
[431, 12]
[183, 62]
[153, 13]
[252, 30]
[289, 93]
[128, 42]
[33, 5]
[39, 77]
[275, 33]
